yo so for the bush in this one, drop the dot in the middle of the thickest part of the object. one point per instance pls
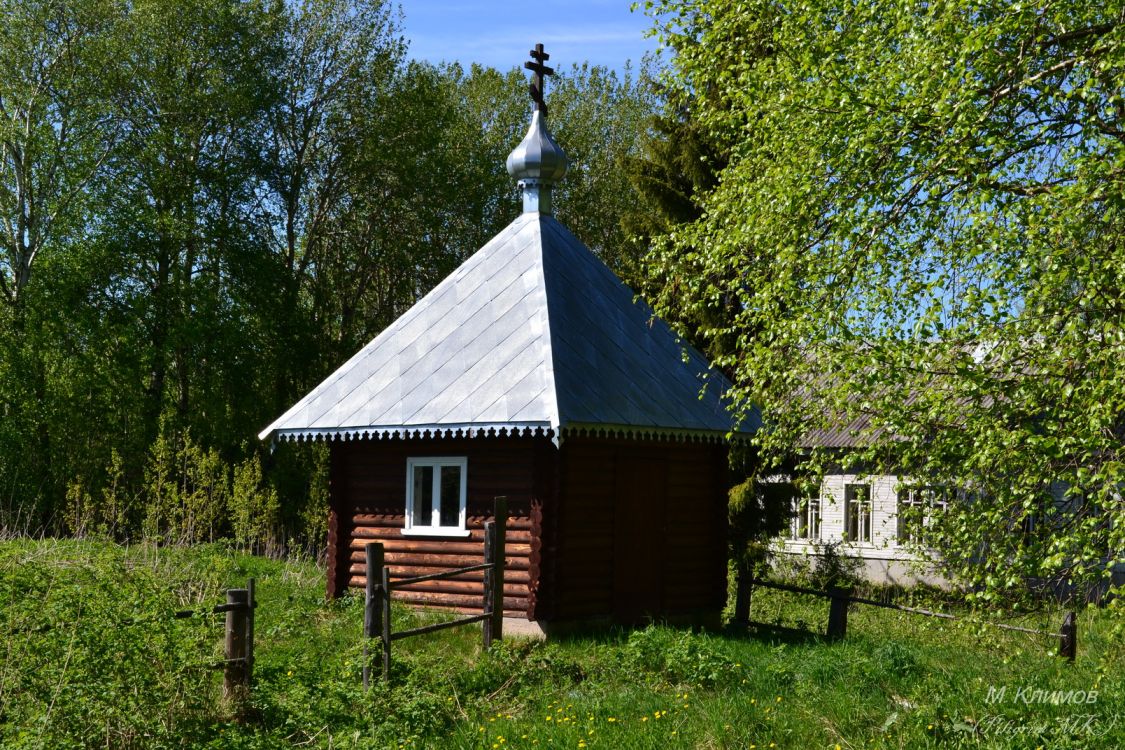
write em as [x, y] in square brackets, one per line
[678, 656]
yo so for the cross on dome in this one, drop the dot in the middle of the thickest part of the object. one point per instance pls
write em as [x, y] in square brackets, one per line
[538, 85]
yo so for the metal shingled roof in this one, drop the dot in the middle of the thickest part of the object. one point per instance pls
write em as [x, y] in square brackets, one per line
[533, 332]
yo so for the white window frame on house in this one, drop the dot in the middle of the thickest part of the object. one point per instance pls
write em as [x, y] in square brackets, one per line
[807, 519]
[924, 502]
[437, 463]
[864, 520]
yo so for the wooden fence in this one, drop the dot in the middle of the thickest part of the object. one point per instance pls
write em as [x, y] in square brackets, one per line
[238, 661]
[379, 586]
[840, 599]
[238, 666]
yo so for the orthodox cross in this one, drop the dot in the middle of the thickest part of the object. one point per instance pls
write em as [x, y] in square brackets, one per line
[538, 85]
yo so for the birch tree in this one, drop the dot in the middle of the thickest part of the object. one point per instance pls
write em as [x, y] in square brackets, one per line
[921, 222]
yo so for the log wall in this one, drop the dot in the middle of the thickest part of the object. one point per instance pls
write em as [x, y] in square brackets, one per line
[369, 502]
[682, 545]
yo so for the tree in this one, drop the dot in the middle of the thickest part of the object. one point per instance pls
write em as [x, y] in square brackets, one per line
[921, 222]
[54, 132]
[55, 136]
[679, 165]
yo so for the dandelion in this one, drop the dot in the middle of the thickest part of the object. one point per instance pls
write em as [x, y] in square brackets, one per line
[290, 672]
[779, 699]
[611, 719]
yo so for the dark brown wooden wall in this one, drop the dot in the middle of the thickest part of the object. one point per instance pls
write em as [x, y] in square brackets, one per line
[672, 498]
[368, 491]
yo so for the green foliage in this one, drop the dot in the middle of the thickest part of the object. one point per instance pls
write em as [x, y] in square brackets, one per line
[678, 657]
[255, 513]
[757, 511]
[205, 207]
[919, 225]
[897, 680]
[187, 491]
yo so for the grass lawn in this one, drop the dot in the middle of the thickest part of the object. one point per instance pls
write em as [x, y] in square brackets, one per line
[897, 681]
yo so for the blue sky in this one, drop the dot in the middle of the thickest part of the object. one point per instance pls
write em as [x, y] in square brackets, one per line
[500, 33]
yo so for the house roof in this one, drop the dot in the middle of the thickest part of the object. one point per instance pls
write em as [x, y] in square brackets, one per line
[532, 334]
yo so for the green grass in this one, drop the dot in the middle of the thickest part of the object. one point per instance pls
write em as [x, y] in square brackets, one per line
[896, 681]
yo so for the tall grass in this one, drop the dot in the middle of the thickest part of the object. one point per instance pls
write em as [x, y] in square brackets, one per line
[896, 681]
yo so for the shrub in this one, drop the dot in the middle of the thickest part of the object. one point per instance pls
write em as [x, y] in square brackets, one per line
[678, 656]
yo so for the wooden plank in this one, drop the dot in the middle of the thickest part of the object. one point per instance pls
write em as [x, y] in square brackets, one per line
[459, 587]
[373, 572]
[439, 547]
[512, 563]
[474, 523]
[407, 571]
[390, 533]
[499, 542]
[439, 576]
[473, 603]
[236, 671]
[438, 626]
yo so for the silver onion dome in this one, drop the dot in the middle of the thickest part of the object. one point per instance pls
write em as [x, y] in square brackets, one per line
[538, 162]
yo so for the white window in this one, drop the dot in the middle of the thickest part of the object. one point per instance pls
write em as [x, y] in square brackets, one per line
[857, 512]
[916, 509]
[806, 519]
[435, 496]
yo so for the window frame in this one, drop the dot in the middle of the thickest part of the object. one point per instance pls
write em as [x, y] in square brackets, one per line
[864, 520]
[437, 463]
[924, 502]
[807, 520]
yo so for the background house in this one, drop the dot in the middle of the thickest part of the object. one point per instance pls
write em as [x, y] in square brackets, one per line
[877, 519]
[874, 518]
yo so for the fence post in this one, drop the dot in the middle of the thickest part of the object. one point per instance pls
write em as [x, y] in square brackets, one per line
[385, 595]
[235, 669]
[742, 589]
[373, 574]
[489, 583]
[251, 604]
[838, 612]
[1068, 638]
[500, 514]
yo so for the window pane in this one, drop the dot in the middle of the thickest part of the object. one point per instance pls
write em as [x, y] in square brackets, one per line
[451, 496]
[423, 495]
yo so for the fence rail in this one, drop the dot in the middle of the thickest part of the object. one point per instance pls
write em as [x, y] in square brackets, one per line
[379, 586]
[840, 599]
